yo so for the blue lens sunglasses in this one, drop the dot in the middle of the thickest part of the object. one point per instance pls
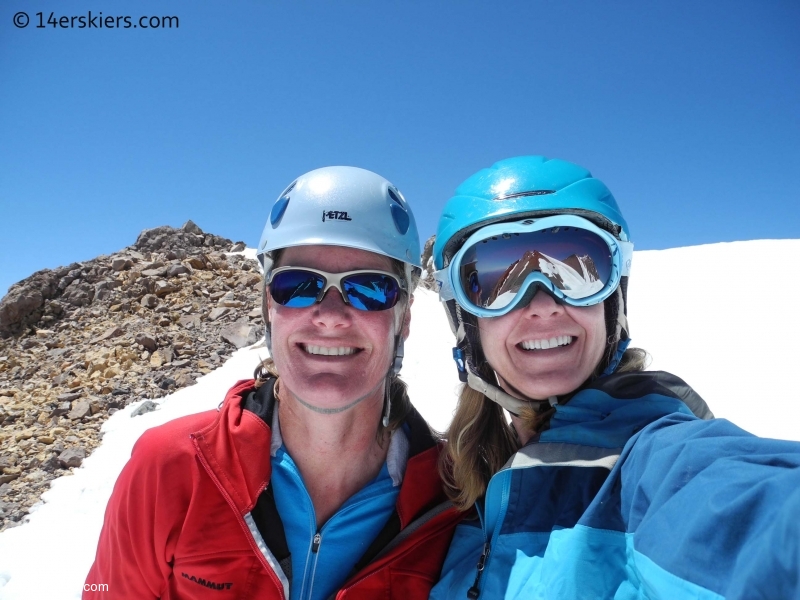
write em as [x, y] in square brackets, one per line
[301, 287]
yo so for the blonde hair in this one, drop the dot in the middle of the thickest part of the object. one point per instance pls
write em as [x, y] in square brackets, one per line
[480, 440]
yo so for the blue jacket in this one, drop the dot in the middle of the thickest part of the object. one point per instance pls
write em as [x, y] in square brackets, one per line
[635, 492]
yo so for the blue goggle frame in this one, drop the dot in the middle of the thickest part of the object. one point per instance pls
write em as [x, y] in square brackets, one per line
[450, 287]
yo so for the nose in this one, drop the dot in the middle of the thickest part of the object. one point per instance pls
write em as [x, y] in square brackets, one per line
[543, 306]
[332, 311]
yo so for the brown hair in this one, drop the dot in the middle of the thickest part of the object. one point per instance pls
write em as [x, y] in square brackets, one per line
[480, 440]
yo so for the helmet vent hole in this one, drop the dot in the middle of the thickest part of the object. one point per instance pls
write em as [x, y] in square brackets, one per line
[290, 188]
[395, 195]
[401, 218]
[278, 209]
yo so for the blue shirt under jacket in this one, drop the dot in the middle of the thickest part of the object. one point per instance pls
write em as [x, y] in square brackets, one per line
[635, 492]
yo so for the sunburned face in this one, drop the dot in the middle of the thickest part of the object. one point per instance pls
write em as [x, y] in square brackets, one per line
[545, 349]
[331, 355]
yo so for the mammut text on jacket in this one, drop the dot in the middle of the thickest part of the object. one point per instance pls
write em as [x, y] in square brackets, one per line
[179, 523]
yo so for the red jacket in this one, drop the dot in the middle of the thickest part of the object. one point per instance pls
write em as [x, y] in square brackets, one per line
[178, 524]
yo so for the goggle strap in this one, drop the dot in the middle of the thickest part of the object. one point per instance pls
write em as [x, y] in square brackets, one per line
[622, 320]
[626, 249]
[444, 285]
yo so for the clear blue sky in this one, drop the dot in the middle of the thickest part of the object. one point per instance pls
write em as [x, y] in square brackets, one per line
[689, 111]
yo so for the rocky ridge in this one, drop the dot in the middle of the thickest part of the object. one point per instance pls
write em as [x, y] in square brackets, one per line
[80, 342]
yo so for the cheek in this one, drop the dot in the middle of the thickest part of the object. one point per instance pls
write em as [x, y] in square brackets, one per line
[592, 319]
[493, 334]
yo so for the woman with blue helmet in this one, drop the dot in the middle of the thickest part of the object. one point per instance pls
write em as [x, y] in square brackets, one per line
[318, 478]
[608, 481]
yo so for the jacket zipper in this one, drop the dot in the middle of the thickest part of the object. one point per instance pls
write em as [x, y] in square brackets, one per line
[316, 542]
[402, 535]
[474, 591]
[283, 591]
[490, 537]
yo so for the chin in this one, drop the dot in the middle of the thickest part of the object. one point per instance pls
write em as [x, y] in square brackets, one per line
[331, 392]
[545, 387]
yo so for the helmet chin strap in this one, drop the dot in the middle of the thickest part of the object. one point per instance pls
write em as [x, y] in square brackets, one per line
[513, 405]
[397, 364]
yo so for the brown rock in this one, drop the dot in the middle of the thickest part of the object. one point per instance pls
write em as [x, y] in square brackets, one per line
[165, 287]
[196, 262]
[62, 409]
[157, 359]
[72, 457]
[240, 334]
[111, 372]
[158, 272]
[121, 264]
[147, 341]
[149, 301]
[189, 321]
[108, 334]
[250, 280]
[218, 313]
[175, 270]
[24, 435]
[80, 410]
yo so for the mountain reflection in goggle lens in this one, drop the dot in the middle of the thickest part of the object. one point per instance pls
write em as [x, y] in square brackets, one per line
[575, 261]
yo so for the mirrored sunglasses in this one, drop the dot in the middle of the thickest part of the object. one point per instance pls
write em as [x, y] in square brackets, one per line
[297, 287]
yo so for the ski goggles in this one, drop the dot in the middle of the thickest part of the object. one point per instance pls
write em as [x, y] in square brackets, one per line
[297, 287]
[500, 267]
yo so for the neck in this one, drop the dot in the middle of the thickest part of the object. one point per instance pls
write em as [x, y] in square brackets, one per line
[337, 453]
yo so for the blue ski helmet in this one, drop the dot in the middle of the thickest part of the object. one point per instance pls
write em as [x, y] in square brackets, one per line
[524, 186]
[514, 189]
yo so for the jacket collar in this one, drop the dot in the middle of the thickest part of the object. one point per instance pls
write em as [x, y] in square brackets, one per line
[235, 449]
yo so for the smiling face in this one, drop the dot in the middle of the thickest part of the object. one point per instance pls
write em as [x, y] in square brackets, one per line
[544, 349]
[331, 355]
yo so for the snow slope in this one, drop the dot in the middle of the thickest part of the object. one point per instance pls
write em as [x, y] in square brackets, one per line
[733, 340]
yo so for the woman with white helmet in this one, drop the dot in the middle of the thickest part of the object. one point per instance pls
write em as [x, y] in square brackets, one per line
[608, 481]
[318, 477]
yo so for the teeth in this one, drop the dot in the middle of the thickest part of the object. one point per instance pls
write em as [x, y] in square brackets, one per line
[327, 351]
[554, 342]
